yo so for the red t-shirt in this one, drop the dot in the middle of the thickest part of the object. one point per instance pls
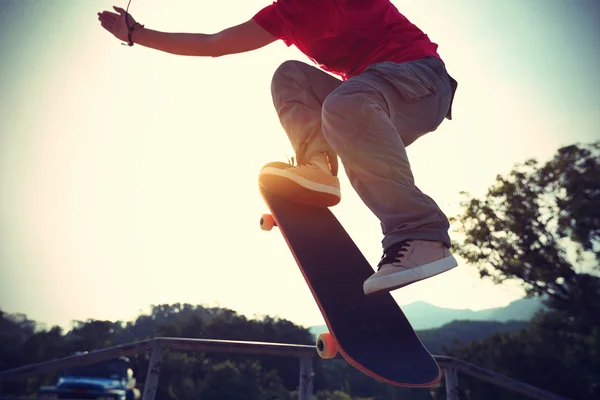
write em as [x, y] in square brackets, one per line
[344, 37]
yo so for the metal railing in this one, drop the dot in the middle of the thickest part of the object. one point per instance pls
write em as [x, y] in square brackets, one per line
[306, 354]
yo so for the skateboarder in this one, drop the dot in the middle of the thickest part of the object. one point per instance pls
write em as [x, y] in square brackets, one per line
[393, 88]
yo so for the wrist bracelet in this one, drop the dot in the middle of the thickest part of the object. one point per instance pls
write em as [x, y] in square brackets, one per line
[130, 31]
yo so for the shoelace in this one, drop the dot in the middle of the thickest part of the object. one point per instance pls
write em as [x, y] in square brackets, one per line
[394, 253]
[293, 162]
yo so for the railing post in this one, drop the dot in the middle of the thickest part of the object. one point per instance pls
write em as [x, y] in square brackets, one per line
[451, 377]
[151, 384]
[305, 389]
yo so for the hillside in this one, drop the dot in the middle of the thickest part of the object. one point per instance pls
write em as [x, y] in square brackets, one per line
[425, 316]
[463, 332]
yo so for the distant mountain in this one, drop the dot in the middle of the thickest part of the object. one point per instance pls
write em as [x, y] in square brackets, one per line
[519, 310]
[425, 316]
[463, 332]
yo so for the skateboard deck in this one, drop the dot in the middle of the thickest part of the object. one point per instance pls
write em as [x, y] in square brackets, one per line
[370, 332]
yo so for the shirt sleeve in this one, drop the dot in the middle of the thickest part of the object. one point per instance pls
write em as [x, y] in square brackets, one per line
[271, 20]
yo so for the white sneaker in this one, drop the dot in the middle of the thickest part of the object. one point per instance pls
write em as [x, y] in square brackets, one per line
[408, 262]
[312, 183]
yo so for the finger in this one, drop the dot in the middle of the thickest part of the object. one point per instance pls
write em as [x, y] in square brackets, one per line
[108, 14]
[107, 27]
[106, 22]
[108, 18]
[119, 10]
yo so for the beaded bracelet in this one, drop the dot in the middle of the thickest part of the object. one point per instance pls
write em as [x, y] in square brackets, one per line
[131, 29]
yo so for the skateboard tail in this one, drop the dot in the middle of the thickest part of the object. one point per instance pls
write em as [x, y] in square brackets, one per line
[368, 372]
[340, 349]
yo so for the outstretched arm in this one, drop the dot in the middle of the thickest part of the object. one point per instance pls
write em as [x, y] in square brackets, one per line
[237, 39]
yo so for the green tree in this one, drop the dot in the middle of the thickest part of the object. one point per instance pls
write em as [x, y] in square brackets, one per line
[239, 381]
[333, 395]
[549, 354]
[540, 225]
[93, 334]
[24, 342]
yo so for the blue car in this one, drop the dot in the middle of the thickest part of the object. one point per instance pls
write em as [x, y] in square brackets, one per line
[106, 380]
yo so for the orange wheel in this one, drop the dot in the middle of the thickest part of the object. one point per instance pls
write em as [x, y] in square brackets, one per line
[267, 222]
[326, 347]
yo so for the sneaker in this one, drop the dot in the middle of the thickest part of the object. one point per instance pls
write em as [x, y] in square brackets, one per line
[313, 183]
[408, 262]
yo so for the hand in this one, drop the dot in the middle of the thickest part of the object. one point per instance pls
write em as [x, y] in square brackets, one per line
[116, 23]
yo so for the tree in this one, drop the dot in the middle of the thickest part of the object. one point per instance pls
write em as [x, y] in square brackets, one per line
[245, 380]
[541, 225]
[93, 334]
[550, 354]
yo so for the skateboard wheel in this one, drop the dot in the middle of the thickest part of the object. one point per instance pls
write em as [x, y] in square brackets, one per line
[267, 222]
[326, 347]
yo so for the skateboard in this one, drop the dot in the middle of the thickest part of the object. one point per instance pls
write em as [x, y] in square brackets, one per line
[370, 332]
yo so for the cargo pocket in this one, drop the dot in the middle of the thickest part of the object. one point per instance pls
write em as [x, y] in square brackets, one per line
[412, 80]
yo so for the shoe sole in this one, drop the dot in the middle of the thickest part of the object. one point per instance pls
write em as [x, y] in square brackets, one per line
[298, 189]
[406, 277]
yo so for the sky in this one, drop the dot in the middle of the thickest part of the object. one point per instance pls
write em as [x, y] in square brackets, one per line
[128, 177]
